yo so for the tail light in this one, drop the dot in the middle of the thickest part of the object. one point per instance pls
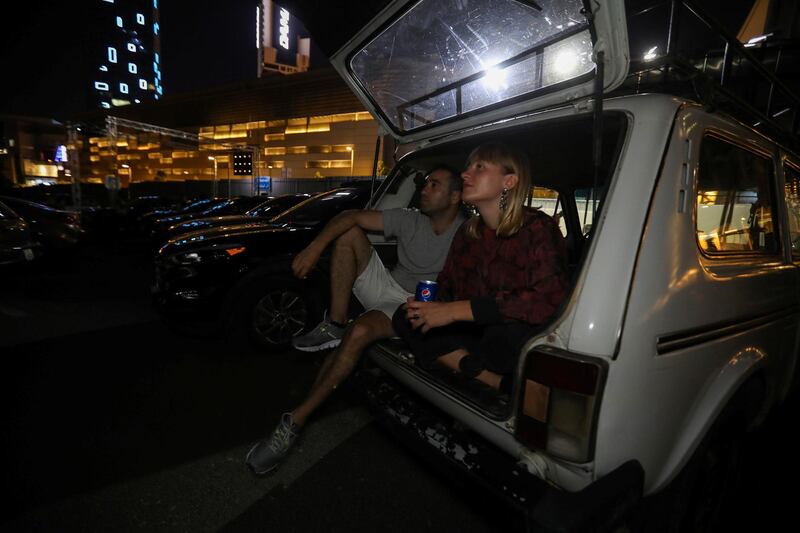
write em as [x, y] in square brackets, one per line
[559, 403]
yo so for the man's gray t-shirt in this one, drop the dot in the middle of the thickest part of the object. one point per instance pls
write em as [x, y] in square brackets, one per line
[420, 252]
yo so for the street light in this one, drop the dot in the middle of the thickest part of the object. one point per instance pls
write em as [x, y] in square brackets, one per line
[130, 171]
[214, 189]
[352, 154]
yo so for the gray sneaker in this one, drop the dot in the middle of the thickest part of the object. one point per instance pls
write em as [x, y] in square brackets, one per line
[265, 454]
[325, 335]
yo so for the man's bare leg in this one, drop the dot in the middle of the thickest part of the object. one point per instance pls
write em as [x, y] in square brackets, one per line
[350, 256]
[367, 328]
[266, 454]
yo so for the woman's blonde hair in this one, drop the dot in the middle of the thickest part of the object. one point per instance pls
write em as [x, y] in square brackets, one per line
[511, 161]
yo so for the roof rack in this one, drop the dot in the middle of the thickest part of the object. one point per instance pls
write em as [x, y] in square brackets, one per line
[703, 61]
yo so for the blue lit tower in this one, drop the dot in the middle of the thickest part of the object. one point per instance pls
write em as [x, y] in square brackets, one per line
[127, 58]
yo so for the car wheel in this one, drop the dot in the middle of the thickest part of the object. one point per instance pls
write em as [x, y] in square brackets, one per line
[274, 310]
[717, 479]
[703, 497]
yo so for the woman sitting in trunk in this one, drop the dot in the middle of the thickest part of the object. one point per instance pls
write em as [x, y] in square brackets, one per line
[505, 274]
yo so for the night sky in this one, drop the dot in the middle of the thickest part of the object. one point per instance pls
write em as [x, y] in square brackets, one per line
[209, 43]
[205, 43]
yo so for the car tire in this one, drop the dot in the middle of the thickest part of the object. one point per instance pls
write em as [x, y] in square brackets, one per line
[703, 496]
[273, 310]
[716, 478]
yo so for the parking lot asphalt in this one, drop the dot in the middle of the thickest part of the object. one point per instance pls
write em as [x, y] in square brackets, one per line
[113, 422]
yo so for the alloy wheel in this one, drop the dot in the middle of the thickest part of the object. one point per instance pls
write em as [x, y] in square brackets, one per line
[279, 315]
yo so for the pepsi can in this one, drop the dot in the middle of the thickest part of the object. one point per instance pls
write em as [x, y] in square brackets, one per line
[426, 291]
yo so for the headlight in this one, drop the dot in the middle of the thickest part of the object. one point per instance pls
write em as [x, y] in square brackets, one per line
[205, 256]
[187, 259]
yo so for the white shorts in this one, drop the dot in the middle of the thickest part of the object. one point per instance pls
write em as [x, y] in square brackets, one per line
[376, 289]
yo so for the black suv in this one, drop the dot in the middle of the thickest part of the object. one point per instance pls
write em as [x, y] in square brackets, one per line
[240, 277]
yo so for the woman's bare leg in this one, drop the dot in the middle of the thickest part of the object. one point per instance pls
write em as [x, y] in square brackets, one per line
[452, 360]
[536, 396]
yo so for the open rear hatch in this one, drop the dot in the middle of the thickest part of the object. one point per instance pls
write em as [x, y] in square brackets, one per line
[432, 67]
[429, 68]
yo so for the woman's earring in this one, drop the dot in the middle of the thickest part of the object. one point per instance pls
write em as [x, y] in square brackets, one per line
[504, 199]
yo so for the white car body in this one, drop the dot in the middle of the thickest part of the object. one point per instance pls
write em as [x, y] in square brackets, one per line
[679, 331]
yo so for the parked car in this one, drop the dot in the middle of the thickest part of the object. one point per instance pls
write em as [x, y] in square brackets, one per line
[145, 222]
[141, 205]
[202, 208]
[240, 276]
[677, 188]
[102, 223]
[235, 207]
[267, 209]
[53, 228]
[16, 243]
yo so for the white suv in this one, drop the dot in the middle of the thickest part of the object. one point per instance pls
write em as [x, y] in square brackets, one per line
[681, 329]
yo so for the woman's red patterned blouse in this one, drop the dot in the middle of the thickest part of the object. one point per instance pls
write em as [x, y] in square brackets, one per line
[522, 277]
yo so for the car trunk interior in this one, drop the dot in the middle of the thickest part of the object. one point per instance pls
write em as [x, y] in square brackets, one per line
[560, 152]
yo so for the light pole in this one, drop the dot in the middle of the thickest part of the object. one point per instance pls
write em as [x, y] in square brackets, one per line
[352, 155]
[130, 171]
[214, 188]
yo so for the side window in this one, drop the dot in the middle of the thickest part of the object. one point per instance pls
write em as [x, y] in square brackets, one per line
[548, 201]
[792, 193]
[735, 208]
[399, 189]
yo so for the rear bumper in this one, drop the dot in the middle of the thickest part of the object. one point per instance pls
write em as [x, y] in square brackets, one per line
[602, 506]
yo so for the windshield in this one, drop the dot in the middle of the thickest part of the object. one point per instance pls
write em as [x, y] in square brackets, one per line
[195, 206]
[221, 206]
[276, 206]
[444, 58]
[323, 207]
[241, 206]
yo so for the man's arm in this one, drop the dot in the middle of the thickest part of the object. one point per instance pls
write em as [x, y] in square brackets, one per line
[304, 261]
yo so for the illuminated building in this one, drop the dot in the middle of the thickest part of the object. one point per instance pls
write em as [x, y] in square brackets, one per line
[125, 62]
[282, 48]
[306, 126]
[32, 151]
[301, 127]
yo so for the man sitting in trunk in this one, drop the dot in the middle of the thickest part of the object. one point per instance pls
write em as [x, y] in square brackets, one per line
[423, 240]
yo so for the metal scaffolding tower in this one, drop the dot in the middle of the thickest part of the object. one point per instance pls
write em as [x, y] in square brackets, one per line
[114, 123]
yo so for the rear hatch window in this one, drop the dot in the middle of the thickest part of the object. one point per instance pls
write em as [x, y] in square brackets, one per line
[442, 59]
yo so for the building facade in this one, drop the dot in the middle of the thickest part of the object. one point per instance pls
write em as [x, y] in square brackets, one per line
[126, 62]
[33, 151]
[301, 127]
[305, 129]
